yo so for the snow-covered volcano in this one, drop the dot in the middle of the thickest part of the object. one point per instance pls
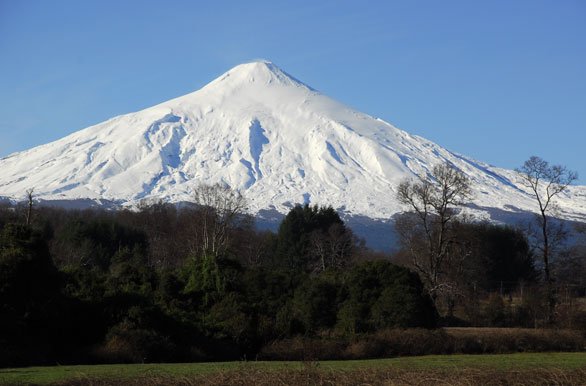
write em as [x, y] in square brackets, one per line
[263, 132]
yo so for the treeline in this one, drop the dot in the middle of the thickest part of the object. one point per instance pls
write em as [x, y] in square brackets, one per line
[164, 284]
[200, 283]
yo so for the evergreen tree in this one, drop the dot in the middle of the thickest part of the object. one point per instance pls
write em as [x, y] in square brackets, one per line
[30, 298]
[299, 233]
[380, 295]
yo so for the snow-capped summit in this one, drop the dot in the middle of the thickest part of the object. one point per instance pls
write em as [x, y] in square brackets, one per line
[265, 133]
[262, 71]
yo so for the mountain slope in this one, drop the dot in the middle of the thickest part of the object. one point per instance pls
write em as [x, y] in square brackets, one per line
[264, 133]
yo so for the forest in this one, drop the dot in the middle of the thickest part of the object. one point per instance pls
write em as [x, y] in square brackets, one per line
[163, 283]
[169, 283]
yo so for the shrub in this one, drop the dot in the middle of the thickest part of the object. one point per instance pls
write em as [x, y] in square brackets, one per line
[127, 345]
[418, 341]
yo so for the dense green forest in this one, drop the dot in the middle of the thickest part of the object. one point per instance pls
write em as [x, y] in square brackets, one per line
[163, 283]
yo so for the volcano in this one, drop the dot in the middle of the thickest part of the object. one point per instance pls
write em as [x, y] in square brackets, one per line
[268, 135]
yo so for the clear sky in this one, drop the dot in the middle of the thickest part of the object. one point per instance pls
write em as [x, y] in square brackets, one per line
[498, 81]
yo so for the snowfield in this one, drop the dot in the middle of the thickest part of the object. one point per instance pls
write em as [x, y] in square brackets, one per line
[266, 134]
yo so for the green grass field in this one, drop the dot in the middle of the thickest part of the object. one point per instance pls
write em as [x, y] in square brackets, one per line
[442, 363]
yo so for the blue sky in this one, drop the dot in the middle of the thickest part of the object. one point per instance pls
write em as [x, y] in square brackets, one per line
[495, 80]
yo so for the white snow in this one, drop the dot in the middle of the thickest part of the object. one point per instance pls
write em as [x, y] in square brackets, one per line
[264, 133]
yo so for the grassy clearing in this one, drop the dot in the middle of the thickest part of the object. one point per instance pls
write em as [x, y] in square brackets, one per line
[561, 368]
[501, 362]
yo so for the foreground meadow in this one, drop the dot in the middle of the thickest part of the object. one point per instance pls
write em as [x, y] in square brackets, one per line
[506, 369]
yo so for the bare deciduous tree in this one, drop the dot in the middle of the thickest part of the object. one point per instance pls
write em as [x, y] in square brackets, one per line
[545, 182]
[426, 230]
[159, 220]
[332, 248]
[29, 211]
[221, 207]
